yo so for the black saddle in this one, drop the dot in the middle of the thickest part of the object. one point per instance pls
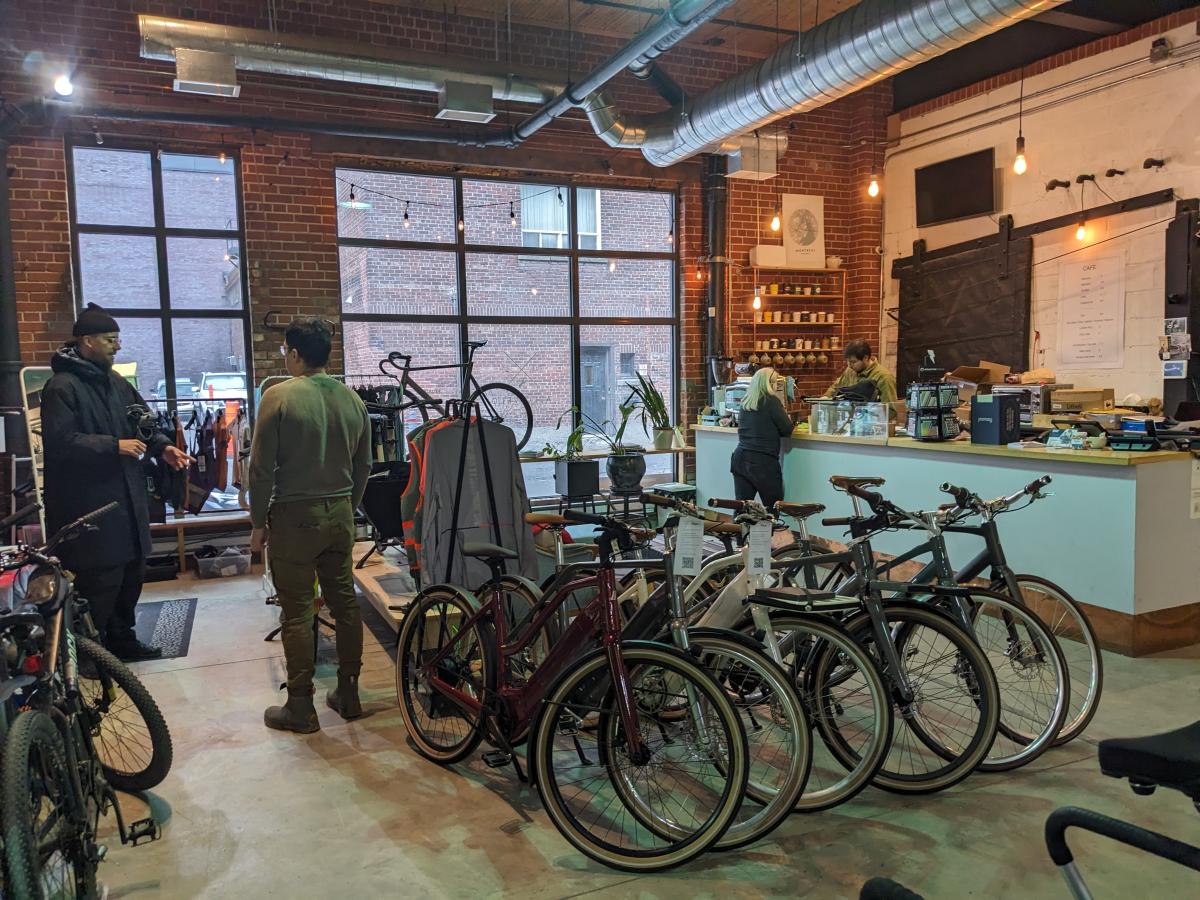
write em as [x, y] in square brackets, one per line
[488, 552]
[1171, 759]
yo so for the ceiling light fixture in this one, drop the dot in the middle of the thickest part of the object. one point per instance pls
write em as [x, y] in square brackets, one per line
[756, 303]
[1081, 231]
[873, 187]
[776, 220]
[63, 86]
[1019, 163]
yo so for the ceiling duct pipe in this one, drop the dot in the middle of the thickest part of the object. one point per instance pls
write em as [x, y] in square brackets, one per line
[256, 50]
[871, 41]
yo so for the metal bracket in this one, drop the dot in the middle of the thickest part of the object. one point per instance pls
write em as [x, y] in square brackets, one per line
[1003, 244]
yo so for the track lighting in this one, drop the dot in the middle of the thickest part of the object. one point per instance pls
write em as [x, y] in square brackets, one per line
[406, 222]
[1057, 183]
[1019, 164]
[776, 220]
[873, 187]
[1112, 173]
[63, 86]
[1151, 163]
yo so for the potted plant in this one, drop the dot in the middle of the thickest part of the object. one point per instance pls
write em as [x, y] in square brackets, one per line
[626, 463]
[653, 411]
[574, 476]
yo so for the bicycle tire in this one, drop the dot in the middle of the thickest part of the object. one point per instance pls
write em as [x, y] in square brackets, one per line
[495, 401]
[430, 706]
[574, 691]
[33, 777]
[420, 409]
[969, 669]
[832, 651]
[1030, 719]
[1081, 648]
[102, 699]
[765, 696]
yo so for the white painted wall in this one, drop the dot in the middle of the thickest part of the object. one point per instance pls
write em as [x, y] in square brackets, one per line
[1117, 126]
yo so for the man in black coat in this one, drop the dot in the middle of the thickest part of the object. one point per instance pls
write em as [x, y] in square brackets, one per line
[93, 457]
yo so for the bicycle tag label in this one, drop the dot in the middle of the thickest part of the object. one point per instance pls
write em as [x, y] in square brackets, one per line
[689, 545]
[760, 548]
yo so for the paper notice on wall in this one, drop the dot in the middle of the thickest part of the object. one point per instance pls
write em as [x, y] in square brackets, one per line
[1196, 487]
[760, 549]
[1091, 314]
[689, 545]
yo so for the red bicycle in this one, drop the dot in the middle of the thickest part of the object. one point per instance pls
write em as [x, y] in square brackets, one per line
[639, 756]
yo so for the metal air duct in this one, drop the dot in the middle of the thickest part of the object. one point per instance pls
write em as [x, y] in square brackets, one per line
[871, 41]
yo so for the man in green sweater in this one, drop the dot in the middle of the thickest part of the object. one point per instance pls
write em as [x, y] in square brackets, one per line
[309, 463]
[861, 367]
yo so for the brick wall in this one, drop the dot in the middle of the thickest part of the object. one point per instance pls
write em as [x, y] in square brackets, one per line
[289, 202]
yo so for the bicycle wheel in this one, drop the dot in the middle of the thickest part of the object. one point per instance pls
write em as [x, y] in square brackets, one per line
[943, 734]
[128, 729]
[441, 729]
[776, 726]
[417, 414]
[505, 405]
[640, 815]
[846, 699]
[1079, 645]
[46, 850]
[1030, 673]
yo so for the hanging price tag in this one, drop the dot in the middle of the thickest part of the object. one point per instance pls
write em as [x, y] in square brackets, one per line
[689, 545]
[760, 549]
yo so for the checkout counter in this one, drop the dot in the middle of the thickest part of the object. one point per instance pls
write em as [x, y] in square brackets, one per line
[1121, 532]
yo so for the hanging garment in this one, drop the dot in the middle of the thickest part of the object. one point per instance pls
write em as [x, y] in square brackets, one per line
[439, 484]
[410, 500]
[203, 471]
[241, 446]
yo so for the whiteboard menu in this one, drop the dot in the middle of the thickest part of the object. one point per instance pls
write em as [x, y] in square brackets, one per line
[1091, 314]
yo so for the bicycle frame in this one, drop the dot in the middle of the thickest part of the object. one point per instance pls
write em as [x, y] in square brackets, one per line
[521, 703]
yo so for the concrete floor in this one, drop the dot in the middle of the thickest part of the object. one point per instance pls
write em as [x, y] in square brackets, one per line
[354, 812]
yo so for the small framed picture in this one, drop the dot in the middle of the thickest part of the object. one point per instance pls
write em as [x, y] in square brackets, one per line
[1175, 368]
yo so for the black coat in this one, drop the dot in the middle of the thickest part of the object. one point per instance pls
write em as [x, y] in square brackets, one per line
[84, 413]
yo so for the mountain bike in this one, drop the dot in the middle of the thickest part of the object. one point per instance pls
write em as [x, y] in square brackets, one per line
[130, 733]
[53, 785]
[495, 401]
[639, 756]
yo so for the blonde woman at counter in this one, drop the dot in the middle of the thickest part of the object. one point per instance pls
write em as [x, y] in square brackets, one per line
[761, 423]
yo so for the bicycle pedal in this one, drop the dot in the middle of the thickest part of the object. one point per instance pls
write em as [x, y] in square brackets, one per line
[143, 830]
[496, 759]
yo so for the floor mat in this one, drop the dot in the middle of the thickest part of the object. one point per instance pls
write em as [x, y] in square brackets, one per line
[166, 624]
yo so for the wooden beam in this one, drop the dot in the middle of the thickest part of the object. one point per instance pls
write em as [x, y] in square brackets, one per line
[616, 163]
[1074, 22]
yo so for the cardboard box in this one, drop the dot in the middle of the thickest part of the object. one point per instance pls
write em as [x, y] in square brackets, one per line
[1077, 400]
[768, 256]
[972, 380]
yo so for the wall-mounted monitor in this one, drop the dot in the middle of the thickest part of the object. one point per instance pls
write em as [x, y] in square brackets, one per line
[957, 188]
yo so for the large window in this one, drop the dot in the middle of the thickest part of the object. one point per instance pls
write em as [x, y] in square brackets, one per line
[574, 289]
[157, 239]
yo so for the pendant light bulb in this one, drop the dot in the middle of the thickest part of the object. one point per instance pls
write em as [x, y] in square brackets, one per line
[1081, 231]
[221, 157]
[873, 187]
[671, 236]
[757, 302]
[612, 266]
[699, 274]
[776, 222]
[461, 224]
[1019, 164]
[512, 215]
[407, 224]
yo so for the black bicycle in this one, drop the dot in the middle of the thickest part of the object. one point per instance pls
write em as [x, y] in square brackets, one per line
[496, 401]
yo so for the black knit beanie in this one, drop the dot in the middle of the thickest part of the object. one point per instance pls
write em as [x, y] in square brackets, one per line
[94, 320]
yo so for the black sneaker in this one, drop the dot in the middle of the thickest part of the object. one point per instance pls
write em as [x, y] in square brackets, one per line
[134, 650]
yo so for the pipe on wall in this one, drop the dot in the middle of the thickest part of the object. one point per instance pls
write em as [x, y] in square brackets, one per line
[10, 342]
[716, 202]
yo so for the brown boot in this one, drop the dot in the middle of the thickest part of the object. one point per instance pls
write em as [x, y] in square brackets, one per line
[298, 715]
[343, 699]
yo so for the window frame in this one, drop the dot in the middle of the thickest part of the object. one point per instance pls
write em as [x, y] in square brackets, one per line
[563, 239]
[165, 314]
[575, 257]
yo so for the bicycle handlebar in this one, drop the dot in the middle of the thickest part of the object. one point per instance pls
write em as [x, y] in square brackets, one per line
[1037, 484]
[608, 523]
[8, 521]
[841, 521]
[82, 522]
[962, 497]
[736, 505]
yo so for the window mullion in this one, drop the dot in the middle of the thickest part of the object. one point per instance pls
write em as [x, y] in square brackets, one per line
[164, 278]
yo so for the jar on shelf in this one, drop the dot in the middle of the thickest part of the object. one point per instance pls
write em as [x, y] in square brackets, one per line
[774, 344]
[826, 343]
[778, 359]
[805, 317]
[758, 317]
[836, 342]
[831, 318]
[817, 289]
[773, 287]
[819, 317]
[789, 359]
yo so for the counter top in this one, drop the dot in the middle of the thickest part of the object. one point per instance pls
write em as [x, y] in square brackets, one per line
[1098, 457]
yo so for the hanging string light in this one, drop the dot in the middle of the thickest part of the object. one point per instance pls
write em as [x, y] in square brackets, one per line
[671, 235]
[461, 224]
[406, 222]
[1019, 164]
[353, 202]
[1081, 230]
[612, 266]
[221, 157]
[512, 215]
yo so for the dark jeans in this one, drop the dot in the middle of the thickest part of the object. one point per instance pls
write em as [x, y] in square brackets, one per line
[113, 594]
[756, 473]
[311, 542]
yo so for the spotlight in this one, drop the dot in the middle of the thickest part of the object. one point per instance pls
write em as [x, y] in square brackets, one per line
[1019, 164]
[533, 291]
[1113, 173]
[63, 86]
[775, 220]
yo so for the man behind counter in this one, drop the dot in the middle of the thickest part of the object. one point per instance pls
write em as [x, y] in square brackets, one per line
[860, 368]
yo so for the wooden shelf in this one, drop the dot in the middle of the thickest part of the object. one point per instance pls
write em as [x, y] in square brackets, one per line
[822, 296]
[840, 271]
[788, 324]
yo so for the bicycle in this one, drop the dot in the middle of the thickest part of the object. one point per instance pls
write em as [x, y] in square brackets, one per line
[53, 786]
[1031, 672]
[666, 765]
[132, 738]
[1060, 612]
[498, 402]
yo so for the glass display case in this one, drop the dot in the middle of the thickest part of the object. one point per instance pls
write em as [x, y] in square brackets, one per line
[849, 418]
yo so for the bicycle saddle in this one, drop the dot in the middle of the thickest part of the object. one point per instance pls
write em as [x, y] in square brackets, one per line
[488, 551]
[845, 481]
[1171, 759]
[799, 510]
